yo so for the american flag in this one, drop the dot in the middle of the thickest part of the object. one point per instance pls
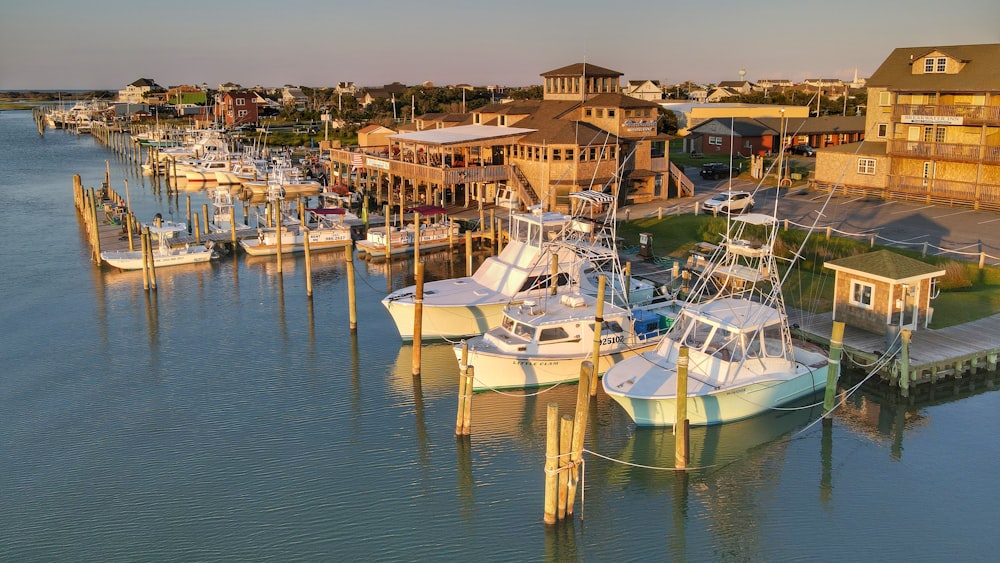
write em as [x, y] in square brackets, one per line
[357, 161]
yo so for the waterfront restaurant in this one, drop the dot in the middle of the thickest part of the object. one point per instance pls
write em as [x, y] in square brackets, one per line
[583, 134]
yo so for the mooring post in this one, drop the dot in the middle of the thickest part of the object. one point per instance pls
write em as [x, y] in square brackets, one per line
[833, 367]
[352, 301]
[551, 462]
[462, 369]
[278, 232]
[144, 251]
[418, 312]
[470, 376]
[588, 380]
[681, 421]
[904, 368]
[190, 219]
[595, 354]
[308, 257]
[468, 253]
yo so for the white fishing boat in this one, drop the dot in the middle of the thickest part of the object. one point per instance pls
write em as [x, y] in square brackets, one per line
[434, 231]
[743, 360]
[543, 338]
[164, 254]
[326, 229]
[289, 178]
[467, 306]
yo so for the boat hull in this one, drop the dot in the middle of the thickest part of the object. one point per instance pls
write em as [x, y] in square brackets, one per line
[132, 260]
[725, 405]
[317, 242]
[504, 371]
[446, 322]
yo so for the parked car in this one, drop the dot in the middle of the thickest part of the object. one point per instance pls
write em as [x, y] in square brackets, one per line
[728, 202]
[717, 170]
[804, 150]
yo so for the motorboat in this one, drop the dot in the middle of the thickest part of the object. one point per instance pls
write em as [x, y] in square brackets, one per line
[742, 359]
[544, 337]
[164, 254]
[325, 229]
[432, 230]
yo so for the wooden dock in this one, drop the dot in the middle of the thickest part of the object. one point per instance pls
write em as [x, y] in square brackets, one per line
[933, 354]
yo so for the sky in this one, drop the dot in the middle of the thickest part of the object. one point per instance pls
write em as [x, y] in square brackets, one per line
[106, 45]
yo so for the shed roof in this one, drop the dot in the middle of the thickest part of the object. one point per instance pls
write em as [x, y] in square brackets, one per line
[885, 265]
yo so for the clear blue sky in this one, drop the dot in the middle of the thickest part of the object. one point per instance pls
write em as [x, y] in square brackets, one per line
[73, 44]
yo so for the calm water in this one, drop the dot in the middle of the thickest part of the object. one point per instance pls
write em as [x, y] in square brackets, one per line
[227, 418]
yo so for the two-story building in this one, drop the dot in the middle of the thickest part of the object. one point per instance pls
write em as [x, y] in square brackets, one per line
[239, 107]
[136, 92]
[932, 130]
[584, 134]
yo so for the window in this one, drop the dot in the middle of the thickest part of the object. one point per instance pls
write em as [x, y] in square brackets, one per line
[866, 166]
[611, 113]
[928, 134]
[242, 113]
[883, 130]
[939, 134]
[861, 294]
[569, 154]
[885, 98]
[935, 64]
[715, 140]
[587, 112]
[555, 333]
[556, 154]
[240, 101]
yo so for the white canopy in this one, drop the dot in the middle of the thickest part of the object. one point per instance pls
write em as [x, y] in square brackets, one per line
[460, 134]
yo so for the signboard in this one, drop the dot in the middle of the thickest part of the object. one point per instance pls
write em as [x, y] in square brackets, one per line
[377, 163]
[932, 119]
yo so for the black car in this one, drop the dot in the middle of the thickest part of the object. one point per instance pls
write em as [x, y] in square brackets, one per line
[804, 150]
[717, 170]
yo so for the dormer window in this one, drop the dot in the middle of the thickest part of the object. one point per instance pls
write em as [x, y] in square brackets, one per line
[935, 64]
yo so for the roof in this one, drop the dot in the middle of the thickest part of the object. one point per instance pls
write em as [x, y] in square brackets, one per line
[580, 69]
[885, 265]
[619, 101]
[979, 73]
[459, 134]
[565, 132]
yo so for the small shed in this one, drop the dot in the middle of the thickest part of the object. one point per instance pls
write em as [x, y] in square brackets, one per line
[879, 289]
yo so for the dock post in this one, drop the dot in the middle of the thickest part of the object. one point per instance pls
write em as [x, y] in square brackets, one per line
[554, 275]
[470, 376]
[681, 429]
[204, 213]
[197, 229]
[551, 462]
[904, 368]
[418, 312]
[588, 381]
[232, 226]
[278, 229]
[416, 237]
[352, 306]
[833, 367]
[308, 257]
[95, 226]
[565, 442]
[152, 262]
[468, 253]
[144, 250]
[602, 283]
[190, 218]
[463, 368]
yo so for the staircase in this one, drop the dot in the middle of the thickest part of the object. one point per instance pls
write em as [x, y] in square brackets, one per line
[525, 192]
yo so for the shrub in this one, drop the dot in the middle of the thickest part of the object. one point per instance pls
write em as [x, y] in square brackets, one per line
[956, 276]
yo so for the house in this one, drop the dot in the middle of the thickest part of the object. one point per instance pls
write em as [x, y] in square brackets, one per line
[239, 107]
[186, 95]
[932, 125]
[390, 91]
[720, 94]
[740, 87]
[293, 96]
[746, 136]
[649, 90]
[879, 289]
[374, 136]
[138, 91]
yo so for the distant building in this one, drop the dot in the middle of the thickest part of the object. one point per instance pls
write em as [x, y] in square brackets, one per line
[239, 108]
[744, 136]
[649, 90]
[932, 130]
[293, 96]
[186, 95]
[137, 91]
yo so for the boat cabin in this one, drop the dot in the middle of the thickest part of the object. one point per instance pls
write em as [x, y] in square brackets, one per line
[879, 289]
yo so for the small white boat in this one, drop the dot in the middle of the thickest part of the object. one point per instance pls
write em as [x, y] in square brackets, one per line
[289, 178]
[328, 229]
[743, 360]
[164, 254]
[436, 232]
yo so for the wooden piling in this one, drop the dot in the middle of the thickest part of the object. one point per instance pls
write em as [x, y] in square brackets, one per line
[904, 363]
[197, 229]
[462, 372]
[418, 312]
[352, 300]
[681, 428]
[833, 367]
[565, 442]
[588, 382]
[554, 275]
[152, 262]
[602, 282]
[204, 213]
[470, 376]
[278, 229]
[468, 253]
[309, 281]
[144, 246]
[551, 462]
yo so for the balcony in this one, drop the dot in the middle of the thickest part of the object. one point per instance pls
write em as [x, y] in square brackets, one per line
[944, 151]
[970, 115]
[377, 159]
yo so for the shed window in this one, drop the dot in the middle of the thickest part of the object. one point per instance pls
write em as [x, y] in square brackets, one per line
[861, 294]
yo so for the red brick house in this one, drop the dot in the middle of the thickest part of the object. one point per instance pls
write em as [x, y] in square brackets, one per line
[238, 108]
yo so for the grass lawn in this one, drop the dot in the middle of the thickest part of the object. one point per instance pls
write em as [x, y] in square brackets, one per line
[967, 293]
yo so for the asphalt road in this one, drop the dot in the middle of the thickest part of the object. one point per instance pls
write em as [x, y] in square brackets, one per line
[955, 231]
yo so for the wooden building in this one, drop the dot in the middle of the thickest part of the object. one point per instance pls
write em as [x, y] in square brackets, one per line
[880, 289]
